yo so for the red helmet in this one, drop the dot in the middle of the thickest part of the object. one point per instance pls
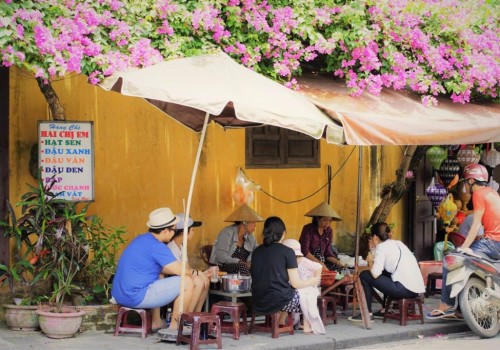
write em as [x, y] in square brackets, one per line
[477, 172]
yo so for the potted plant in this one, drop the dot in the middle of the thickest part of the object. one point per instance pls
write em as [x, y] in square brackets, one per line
[20, 315]
[94, 280]
[56, 238]
[59, 320]
[26, 278]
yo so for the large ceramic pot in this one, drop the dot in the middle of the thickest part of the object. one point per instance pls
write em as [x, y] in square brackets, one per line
[21, 317]
[60, 325]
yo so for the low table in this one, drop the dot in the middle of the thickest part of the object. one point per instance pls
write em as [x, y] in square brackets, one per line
[234, 296]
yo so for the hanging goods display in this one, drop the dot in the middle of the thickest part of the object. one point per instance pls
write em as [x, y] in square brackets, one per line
[464, 193]
[449, 171]
[447, 209]
[491, 157]
[436, 192]
[467, 155]
[436, 156]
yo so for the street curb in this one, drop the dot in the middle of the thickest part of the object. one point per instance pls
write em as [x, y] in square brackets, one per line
[401, 335]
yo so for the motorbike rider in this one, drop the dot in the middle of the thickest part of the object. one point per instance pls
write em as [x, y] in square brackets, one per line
[486, 203]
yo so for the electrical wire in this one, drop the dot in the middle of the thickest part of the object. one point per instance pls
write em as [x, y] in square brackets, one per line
[310, 195]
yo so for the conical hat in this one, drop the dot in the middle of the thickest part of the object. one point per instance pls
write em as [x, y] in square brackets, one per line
[323, 209]
[244, 213]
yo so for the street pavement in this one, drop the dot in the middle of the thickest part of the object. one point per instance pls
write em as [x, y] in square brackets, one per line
[456, 341]
[345, 334]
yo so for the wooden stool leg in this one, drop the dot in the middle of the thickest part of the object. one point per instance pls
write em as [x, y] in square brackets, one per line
[420, 308]
[252, 322]
[236, 327]
[290, 323]
[195, 336]
[275, 321]
[180, 329]
[219, 333]
[119, 320]
[403, 311]
[244, 320]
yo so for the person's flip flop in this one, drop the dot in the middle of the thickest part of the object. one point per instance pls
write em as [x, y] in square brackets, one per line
[439, 314]
[454, 316]
[168, 334]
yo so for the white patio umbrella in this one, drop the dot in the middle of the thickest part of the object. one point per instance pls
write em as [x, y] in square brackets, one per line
[198, 89]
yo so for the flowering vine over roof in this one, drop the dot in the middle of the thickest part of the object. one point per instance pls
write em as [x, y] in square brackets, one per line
[433, 47]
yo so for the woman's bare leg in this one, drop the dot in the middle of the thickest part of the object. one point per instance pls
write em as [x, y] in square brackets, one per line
[203, 294]
[307, 326]
[199, 293]
[188, 294]
[156, 321]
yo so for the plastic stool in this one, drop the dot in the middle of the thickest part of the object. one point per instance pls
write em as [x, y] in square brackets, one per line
[197, 319]
[323, 303]
[235, 310]
[406, 310]
[271, 324]
[122, 325]
[430, 288]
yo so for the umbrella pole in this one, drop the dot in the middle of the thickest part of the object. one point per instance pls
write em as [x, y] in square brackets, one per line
[360, 294]
[358, 208]
[190, 195]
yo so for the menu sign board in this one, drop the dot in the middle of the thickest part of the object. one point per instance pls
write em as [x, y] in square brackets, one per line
[66, 152]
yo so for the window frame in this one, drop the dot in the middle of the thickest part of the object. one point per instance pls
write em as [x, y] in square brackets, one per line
[287, 141]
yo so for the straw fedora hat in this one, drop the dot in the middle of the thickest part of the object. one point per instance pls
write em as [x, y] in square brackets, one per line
[323, 209]
[162, 217]
[244, 213]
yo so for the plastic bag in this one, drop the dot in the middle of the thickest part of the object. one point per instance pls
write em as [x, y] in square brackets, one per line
[243, 189]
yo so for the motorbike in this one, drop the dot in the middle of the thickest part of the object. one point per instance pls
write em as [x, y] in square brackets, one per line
[475, 280]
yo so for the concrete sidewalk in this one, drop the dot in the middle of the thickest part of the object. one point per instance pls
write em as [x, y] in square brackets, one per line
[343, 335]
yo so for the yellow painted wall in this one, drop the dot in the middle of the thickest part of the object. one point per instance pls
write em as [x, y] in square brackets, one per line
[144, 160]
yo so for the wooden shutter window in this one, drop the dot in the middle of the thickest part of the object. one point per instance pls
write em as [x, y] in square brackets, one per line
[273, 147]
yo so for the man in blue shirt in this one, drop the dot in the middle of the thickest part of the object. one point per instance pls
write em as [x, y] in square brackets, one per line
[139, 279]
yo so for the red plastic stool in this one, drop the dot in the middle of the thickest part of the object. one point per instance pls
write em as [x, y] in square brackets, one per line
[326, 316]
[430, 288]
[272, 324]
[405, 311]
[197, 319]
[235, 310]
[122, 325]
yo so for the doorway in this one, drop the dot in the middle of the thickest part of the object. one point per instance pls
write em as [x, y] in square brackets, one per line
[422, 235]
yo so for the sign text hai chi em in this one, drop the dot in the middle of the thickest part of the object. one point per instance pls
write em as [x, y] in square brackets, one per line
[66, 151]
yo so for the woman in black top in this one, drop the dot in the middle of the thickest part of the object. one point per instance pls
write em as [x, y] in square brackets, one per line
[275, 276]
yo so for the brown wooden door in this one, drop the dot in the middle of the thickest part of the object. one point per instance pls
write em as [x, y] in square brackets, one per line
[421, 231]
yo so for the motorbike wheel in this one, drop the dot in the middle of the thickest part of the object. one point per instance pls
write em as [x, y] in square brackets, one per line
[480, 315]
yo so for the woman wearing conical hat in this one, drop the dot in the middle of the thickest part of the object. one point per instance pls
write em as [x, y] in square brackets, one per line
[234, 245]
[316, 238]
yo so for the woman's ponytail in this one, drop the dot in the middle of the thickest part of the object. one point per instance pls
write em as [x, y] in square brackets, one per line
[274, 229]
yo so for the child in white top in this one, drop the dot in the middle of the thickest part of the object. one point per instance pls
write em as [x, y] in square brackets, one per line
[308, 295]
